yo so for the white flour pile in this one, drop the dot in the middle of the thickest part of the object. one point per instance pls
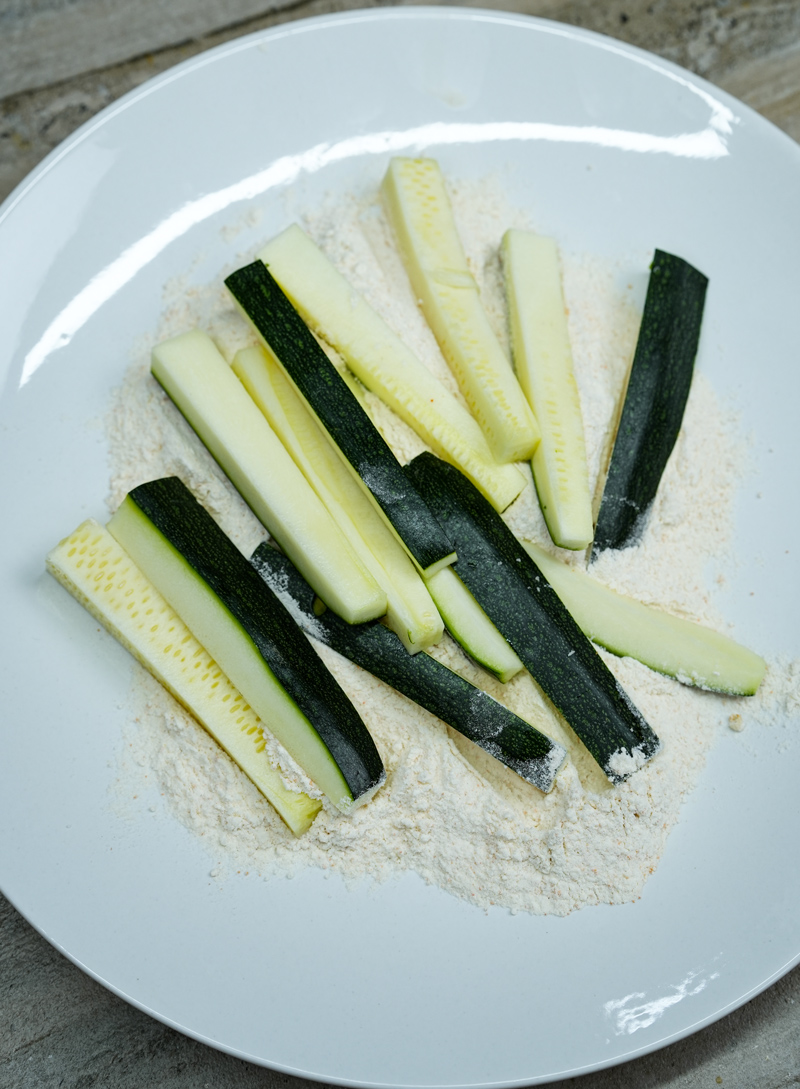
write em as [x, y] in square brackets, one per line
[448, 811]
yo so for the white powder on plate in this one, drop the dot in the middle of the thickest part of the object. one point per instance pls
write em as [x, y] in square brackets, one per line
[448, 810]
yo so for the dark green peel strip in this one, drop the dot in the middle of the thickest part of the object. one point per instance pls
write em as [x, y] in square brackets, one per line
[338, 410]
[655, 399]
[528, 612]
[190, 529]
[420, 677]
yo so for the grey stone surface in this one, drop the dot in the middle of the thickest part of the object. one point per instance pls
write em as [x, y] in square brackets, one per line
[44, 41]
[57, 1026]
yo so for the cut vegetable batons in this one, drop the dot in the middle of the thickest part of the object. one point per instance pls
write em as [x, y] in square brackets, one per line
[208, 582]
[543, 360]
[472, 712]
[379, 358]
[668, 644]
[192, 370]
[97, 571]
[411, 613]
[419, 209]
[289, 341]
[655, 399]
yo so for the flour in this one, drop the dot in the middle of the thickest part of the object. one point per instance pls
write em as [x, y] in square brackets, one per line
[448, 810]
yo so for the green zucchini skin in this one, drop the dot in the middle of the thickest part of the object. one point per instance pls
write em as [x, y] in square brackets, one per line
[190, 529]
[471, 711]
[339, 412]
[658, 386]
[528, 612]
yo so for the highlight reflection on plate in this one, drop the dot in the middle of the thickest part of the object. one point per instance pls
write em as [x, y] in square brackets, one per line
[399, 984]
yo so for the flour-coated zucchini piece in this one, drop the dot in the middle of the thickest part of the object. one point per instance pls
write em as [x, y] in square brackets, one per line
[655, 398]
[98, 572]
[212, 587]
[289, 340]
[471, 627]
[528, 612]
[380, 359]
[213, 400]
[419, 209]
[410, 611]
[543, 360]
[668, 644]
[469, 710]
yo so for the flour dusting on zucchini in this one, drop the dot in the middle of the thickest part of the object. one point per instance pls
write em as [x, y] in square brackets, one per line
[449, 811]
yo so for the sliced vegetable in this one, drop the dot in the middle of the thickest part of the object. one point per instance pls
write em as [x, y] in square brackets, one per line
[411, 612]
[432, 685]
[543, 360]
[183, 552]
[527, 611]
[293, 346]
[104, 579]
[419, 209]
[471, 627]
[213, 400]
[658, 386]
[668, 644]
[380, 359]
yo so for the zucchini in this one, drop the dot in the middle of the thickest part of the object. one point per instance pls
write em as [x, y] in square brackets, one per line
[655, 399]
[209, 583]
[528, 612]
[668, 644]
[380, 359]
[292, 344]
[213, 400]
[543, 360]
[104, 579]
[471, 627]
[469, 710]
[419, 209]
[411, 612]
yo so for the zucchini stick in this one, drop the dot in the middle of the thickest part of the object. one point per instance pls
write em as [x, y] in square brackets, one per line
[104, 579]
[528, 612]
[655, 399]
[668, 644]
[543, 360]
[419, 210]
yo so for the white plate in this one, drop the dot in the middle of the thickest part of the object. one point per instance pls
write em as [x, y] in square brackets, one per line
[613, 150]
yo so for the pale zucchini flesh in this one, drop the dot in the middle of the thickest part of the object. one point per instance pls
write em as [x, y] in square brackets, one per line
[411, 613]
[471, 627]
[668, 644]
[543, 360]
[323, 733]
[197, 378]
[419, 209]
[380, 359]
[97, 571]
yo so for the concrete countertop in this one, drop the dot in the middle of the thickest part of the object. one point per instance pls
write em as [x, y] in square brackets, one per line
[60, 62]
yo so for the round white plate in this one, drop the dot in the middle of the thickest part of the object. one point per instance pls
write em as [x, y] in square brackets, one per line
[611, 150]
